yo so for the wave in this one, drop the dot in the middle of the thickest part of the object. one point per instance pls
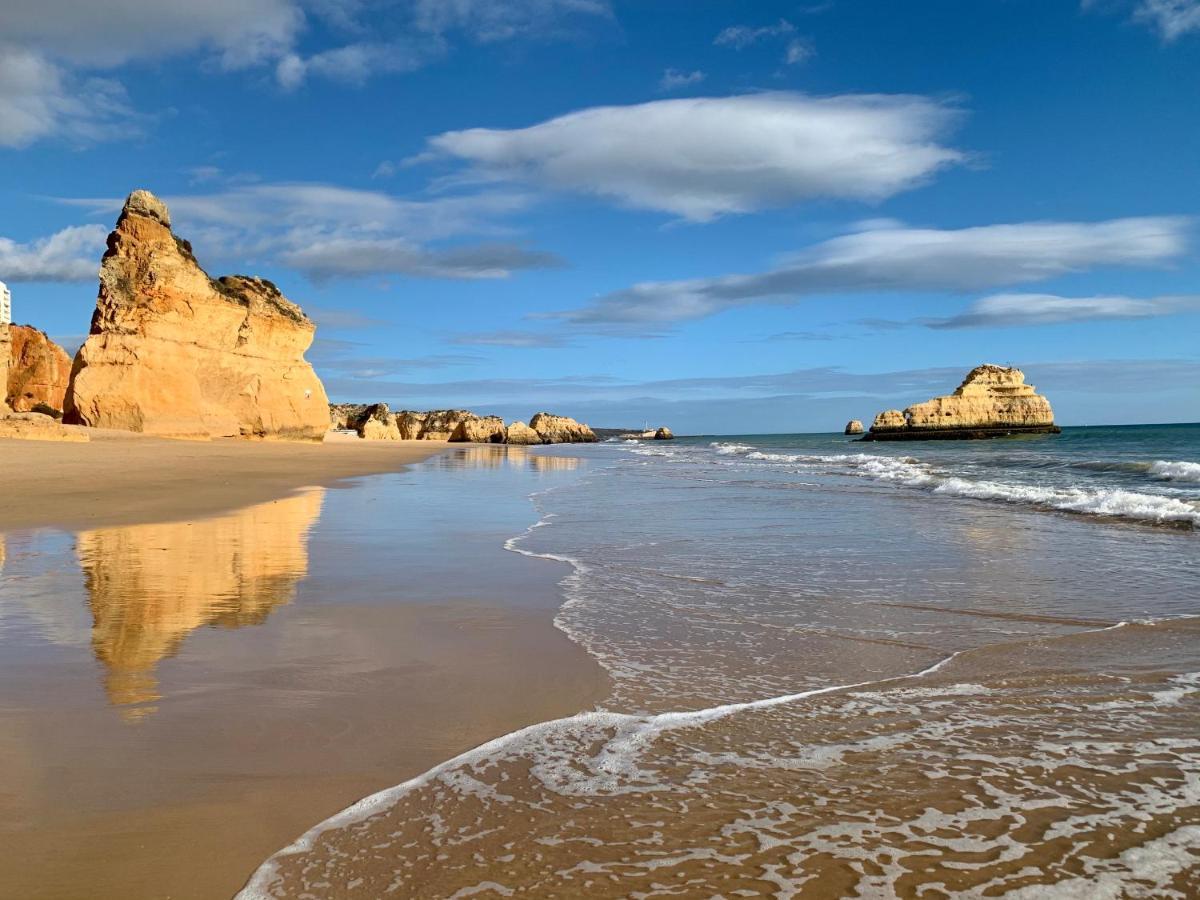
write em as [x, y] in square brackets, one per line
[623, 737]
[729, 448]
[1106, 502]
[1166, 470]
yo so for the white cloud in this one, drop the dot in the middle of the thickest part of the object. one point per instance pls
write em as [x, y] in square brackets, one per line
[511, 338]
[72, 254]
[39, 99]
[797, 52]
[488, 21]
[742, 36]
[355, 63]
[704, 157]
[904, 259]
[1171, 18]
[1006, 310]
[352, 257]
[674, 79]
[328, 231]
[241, 32]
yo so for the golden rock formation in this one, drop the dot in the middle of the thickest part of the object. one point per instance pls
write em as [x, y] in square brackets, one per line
[561, 430]
[38, 370]
[480, 430]
[519, 433]
[176, 353]
[854, 426]
[150, 586]
[991, 401]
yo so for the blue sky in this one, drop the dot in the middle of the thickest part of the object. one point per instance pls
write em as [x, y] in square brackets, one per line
[728, 217]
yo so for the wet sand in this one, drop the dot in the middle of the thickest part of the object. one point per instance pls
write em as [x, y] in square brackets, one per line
[178, 700]
[120, 478]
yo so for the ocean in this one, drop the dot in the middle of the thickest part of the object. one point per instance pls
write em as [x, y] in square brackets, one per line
[966, 669]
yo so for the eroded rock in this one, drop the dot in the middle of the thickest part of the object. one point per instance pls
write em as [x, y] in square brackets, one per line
[38, 371]
[173, 352]
[854, 426]
[518, 433]
[561, 430]
[480, 430]
[991, 401]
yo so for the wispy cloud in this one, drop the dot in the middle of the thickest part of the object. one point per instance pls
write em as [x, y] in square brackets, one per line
[797, 49]
[1171, 19]
[1007, 310]
[903, 259]
[742, 36]
[72, 254]
[326, 231]
[345, 359]
[511, 338]
[675, 79]
[702, 158]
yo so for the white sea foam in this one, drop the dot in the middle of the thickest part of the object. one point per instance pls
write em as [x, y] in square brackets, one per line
[1167, 470]
[730, 449]
[910, 472]
[613, 769]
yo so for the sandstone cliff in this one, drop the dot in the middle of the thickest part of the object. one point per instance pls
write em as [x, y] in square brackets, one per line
[519, 433]
[480, 430]
[992, 401]
[561, 430]
[38, 371]
[375, 422]
[176, 353]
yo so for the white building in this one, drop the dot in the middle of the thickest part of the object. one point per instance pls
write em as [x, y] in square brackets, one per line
[5, 304]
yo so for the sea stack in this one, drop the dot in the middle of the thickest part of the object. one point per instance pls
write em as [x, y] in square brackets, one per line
[854, 426]
[992, 401]
[175, 353]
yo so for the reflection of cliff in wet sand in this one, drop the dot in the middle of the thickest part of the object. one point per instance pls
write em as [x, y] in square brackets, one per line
[150, 586]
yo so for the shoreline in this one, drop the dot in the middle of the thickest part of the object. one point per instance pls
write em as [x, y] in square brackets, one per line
[122, 478]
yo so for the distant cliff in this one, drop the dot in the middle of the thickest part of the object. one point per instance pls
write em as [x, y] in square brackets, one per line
[992, 401]
[375, 421]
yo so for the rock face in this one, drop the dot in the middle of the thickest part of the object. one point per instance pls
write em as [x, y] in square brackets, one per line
[441, 423]
[519, 433]
[992, 401]
[480, 430]
[664, 434]
[854, 426]
[38, 371]
[173, 352]
[410, 424]
[561, 430]
[342, 414]
[376, 423]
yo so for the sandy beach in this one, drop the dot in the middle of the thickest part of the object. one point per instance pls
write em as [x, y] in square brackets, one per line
[119, 477]
[193, 674]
